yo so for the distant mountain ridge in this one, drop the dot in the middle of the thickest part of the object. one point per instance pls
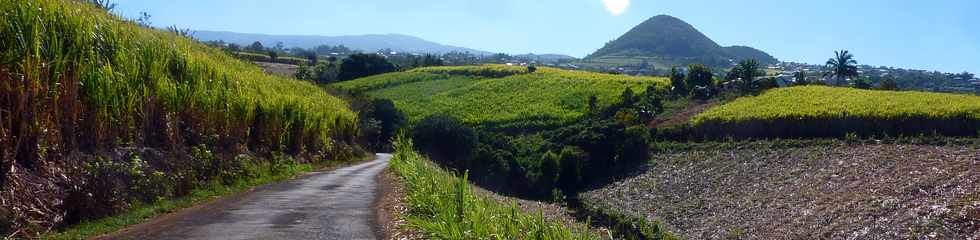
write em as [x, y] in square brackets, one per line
[367, 43]
[672, 40]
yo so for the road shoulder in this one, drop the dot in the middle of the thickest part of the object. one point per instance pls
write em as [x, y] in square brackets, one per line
[391, 208]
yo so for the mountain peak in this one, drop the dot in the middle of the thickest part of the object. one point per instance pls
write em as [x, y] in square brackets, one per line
[675, 42]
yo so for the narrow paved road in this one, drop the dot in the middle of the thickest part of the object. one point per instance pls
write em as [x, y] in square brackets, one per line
[329, 205]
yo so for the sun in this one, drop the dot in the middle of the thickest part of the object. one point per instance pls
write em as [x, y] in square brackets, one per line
[616, 7]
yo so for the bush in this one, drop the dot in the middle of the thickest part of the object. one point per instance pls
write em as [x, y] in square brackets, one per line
[570, 176]
[446, 140]
[549, 173]
[362, 65]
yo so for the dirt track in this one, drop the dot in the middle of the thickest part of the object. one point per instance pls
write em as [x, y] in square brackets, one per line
[328, 205]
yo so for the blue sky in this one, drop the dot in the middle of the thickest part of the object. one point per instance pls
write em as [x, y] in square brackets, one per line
[939, 35]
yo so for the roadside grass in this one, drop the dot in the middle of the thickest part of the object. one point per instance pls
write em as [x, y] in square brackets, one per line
[263, 174]
[443, 206]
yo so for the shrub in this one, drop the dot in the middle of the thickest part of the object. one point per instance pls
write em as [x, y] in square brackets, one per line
[362, 65]
[570, 176]
[549, 172]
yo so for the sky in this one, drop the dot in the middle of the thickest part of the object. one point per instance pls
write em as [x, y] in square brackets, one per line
[941, 35]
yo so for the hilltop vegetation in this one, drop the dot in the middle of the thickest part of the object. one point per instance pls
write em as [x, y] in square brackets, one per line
[498, 94]
[99, 113]
[670, 42]
[818, 111]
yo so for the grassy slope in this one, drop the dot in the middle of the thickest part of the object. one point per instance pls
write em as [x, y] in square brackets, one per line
[510, 95]
[829, 109]
[88, 81]
[443, 206]
[121, 65]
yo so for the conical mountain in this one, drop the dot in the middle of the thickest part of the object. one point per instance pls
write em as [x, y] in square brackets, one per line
[675, 42]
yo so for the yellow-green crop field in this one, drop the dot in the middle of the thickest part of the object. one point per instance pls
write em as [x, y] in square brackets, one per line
[830, 111]
[92, 77]
[498, 94]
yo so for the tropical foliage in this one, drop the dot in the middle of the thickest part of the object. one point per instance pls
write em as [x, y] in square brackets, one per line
[842, 66]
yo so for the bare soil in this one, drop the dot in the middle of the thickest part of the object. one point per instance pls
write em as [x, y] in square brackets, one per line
[757, 190]
[392, 210]
[683, 115]
[285, 70]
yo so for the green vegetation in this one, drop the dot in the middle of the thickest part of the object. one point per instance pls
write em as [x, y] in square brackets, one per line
[668, 41]
[86, 85]
[443, 206]
[842, 66]
[817, 111]
[496, 94]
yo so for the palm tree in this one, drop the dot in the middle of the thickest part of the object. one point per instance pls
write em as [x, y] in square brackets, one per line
[842, 66]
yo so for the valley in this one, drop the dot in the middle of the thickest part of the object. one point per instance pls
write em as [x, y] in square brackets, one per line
[113, 127]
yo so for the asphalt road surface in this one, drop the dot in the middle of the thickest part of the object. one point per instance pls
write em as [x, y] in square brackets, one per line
[338, 204]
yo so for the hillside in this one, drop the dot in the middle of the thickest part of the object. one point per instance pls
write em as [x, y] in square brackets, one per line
[819, 111]
[367, 43]
[670, 41]
[497, 94]
[111, 115]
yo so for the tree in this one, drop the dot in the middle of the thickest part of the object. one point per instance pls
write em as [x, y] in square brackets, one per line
[747, 70]
[549, 171]
[256, 47]
[699, 80]
[446, 140]
[649, 105]
[531, 68]
[889, 84]
[570, 176]
[842, 66]
[303, 72]
[800, 78]
[862, 83]
[677, 84]
[273, 55]
[325, 73]
[390, 117]
[362, 65]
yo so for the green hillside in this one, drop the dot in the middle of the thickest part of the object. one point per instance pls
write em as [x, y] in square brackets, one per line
[666, 40]
[98, 113]
[498, 94]
[829, 111]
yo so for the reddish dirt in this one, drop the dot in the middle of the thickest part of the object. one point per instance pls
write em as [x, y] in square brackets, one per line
[757, 190]
[683, 116]
[285, 70]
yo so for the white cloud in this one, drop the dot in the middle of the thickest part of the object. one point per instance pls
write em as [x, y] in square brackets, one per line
[616, 7]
